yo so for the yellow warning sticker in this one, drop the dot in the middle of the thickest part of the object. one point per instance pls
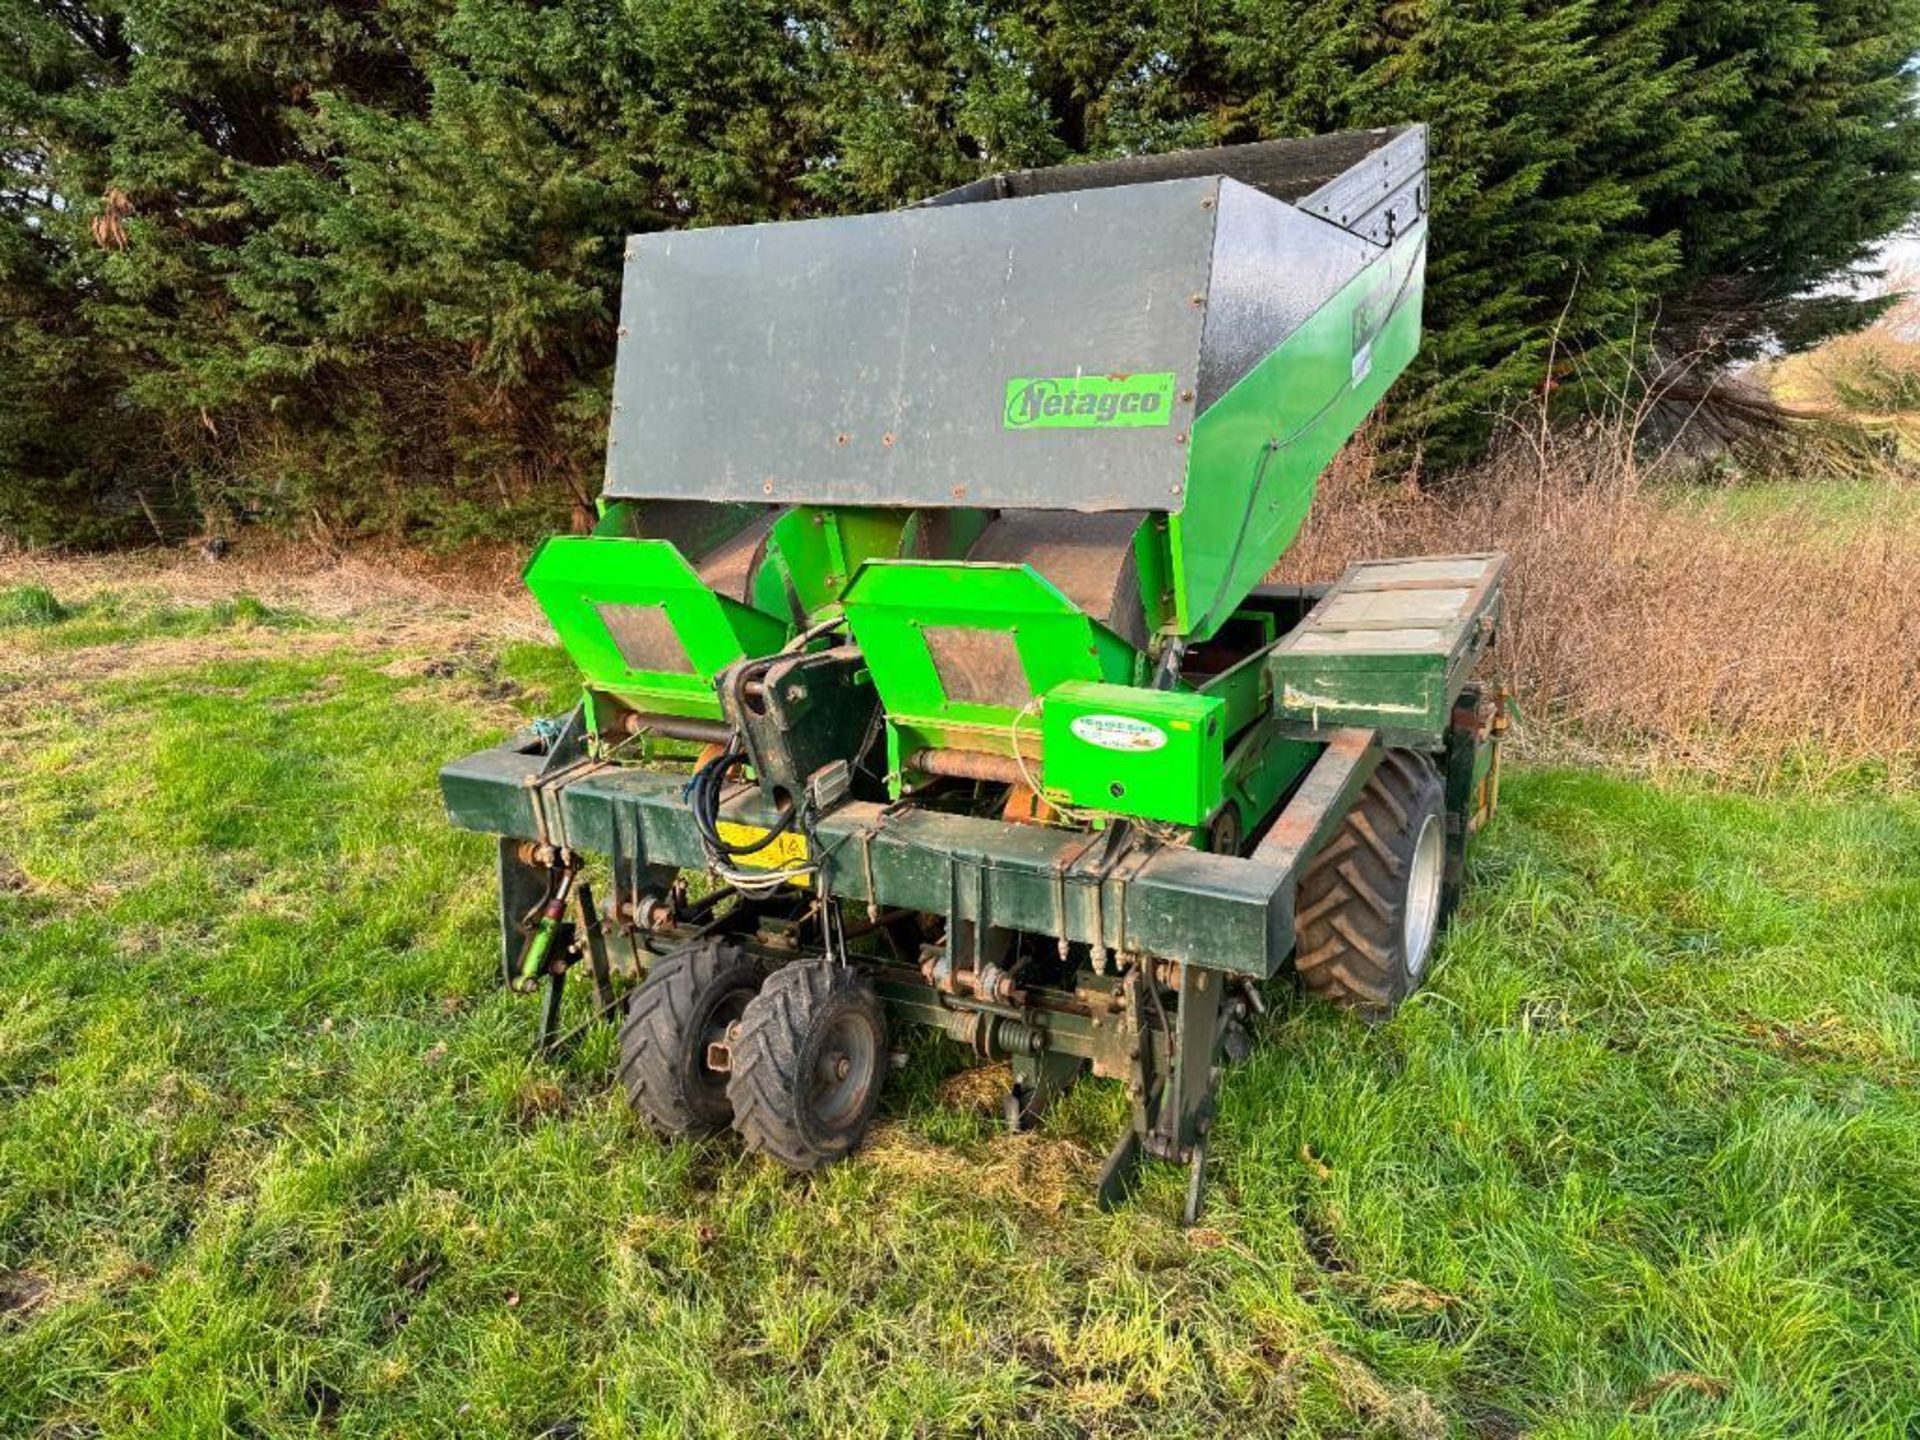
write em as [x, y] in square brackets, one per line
[786, 850]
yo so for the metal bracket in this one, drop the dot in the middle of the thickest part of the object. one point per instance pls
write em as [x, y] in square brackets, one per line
[1038, 1080]
[1196, 1184]
[595, 936]
[1173, 1094]
[1120, 1172]
[574, 940]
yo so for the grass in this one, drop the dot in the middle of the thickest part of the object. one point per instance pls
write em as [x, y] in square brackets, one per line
[274, 1160]
[1830, 511]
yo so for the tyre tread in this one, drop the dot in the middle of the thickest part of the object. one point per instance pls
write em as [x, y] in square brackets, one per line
[765, 1078]
[658, 1014]
[1352, 897]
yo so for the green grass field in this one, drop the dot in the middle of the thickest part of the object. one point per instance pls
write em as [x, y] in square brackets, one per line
[274, 1159]
[1836, 510]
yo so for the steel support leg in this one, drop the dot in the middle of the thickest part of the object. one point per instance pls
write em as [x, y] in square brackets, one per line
[1173, 1081]
[1121, 1170]
[1186, 1112]
[552, 993]
[594, 934]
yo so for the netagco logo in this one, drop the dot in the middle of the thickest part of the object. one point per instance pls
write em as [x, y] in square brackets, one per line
[1084, 402]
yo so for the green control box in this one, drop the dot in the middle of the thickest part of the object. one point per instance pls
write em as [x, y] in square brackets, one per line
[1154, 754]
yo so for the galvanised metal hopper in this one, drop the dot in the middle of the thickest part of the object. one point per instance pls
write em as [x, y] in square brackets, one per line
[1188, 336]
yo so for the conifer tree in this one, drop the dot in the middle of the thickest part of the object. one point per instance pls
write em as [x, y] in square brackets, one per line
[360, 261]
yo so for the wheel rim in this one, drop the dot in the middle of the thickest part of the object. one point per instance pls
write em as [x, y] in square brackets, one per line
[843, 1071]
[728, 1008]
[1423, 894]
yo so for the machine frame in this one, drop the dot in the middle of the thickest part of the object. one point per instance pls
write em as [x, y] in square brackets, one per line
[1051, 787]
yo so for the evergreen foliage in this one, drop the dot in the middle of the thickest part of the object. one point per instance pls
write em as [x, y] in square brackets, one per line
[356, 263]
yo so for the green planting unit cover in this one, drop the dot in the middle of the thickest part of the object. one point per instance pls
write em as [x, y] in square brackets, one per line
[641, 625]
[961, 653]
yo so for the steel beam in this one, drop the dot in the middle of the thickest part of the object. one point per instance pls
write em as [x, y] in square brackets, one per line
[1217, 911]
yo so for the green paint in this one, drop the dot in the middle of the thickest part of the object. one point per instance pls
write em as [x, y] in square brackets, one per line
[578, 580]
[1155, 754]
[807, 561]
[1400, 681]
[1257, 452]
[1262, 766]
[897, 607]
[536, 956]
[1089, 402]
[814, 552]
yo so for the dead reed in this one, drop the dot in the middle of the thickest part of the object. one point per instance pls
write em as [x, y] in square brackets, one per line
[1776, 642]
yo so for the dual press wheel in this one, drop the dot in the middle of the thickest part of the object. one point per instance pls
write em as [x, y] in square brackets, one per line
[805, 1046]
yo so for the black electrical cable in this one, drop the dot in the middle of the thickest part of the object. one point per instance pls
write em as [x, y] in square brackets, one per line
[703, 790]
[703, 794]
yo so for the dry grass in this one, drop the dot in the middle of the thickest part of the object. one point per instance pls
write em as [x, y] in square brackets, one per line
[476, 591]
[1871, 379]
[1762, 641]
[1757, 641]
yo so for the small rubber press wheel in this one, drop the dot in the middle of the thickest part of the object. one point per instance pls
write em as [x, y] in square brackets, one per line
[685, 1004]
[1370, 904]
[808, 1062]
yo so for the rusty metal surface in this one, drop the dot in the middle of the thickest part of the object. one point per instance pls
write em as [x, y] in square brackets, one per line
[645, 637]
[971, 765]
[1088, 558]
[694, 527]
[978, 667]
[729, 568]
[680, 727]
[1321, 801]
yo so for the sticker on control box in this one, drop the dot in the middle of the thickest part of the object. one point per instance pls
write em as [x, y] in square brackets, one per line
[1118, 732]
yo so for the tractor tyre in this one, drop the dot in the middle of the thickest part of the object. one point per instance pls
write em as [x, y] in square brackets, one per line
[687, 1001]
[807, 1064]
[1370, 905]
